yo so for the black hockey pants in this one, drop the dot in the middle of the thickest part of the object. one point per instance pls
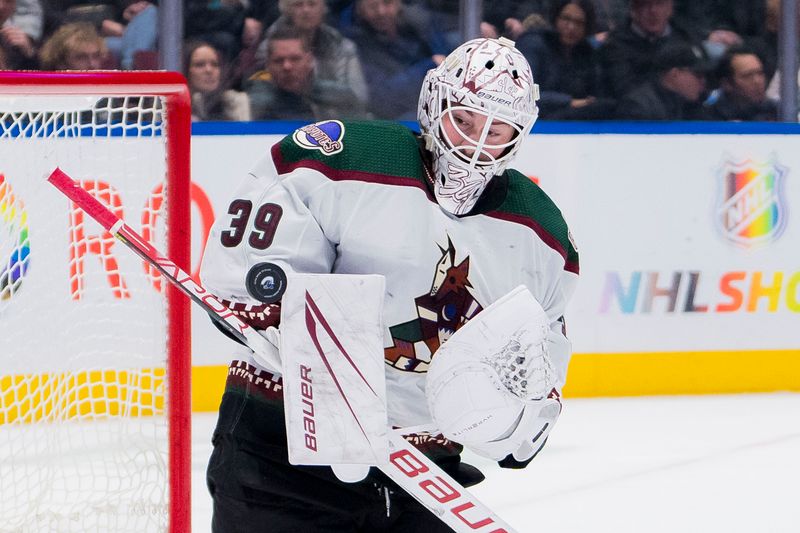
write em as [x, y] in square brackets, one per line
[256, 490]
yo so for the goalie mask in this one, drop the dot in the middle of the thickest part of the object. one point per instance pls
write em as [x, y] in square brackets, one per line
[474, 111]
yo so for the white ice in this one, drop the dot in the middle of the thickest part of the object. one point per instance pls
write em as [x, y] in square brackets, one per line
[726, 463]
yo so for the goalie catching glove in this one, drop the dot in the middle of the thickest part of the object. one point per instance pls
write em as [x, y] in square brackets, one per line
[491, 386]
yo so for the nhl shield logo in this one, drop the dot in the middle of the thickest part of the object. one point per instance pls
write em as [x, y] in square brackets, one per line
[325, 136]
[751, 205]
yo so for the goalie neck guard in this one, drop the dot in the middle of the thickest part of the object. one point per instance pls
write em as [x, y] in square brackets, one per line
[469, 105]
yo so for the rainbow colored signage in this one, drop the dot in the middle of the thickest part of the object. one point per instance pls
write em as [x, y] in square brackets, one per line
[14, 244]
[751, 204]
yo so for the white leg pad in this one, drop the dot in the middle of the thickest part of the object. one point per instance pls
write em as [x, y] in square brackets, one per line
[331, 346]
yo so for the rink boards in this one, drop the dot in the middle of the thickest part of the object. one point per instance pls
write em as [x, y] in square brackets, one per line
[688, 235]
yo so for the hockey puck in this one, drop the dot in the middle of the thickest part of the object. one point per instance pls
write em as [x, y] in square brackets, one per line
[266, 282]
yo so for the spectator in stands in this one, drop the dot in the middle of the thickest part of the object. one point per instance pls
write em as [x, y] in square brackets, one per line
[134, 30]
[442, 15]
[395, 51]
[565, 65]
[335, 56]
[337, 10]
[627, 56]
[289, 90]
[17, 47]
[611, 14]
[259, 14]
[129, 26]
[743, 89]
[219, 22]
[535, 22]
[725, 23]
[677, 90]
[29, 17]
[60, 12]
[505, 17]
[73, 46]
[207, 76]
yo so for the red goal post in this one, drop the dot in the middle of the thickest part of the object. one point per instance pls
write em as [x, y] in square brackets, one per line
[95, 365]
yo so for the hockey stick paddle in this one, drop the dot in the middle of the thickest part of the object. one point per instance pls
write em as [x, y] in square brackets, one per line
[406, 466]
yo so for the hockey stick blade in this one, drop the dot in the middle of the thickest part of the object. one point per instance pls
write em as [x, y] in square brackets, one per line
[218, 311]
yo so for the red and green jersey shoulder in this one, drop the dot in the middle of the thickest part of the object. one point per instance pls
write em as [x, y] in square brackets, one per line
[527, 204]
[373, 151]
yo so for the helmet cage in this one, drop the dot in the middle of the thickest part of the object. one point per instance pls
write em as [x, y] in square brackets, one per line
[476, 153]
[483, 77]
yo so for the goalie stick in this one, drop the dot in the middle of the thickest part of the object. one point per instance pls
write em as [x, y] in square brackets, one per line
[412, 470]
[218, 311]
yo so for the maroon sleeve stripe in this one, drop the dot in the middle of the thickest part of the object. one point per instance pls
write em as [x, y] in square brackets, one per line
[544, 235]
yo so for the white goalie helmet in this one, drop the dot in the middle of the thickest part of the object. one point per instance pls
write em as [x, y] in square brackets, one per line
[466, 107]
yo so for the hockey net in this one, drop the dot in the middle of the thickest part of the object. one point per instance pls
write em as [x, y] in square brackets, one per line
[94, 347]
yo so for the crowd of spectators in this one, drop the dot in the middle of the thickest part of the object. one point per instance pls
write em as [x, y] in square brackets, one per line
[316, 59]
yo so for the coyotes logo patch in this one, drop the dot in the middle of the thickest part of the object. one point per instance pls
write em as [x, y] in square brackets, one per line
[448, 305]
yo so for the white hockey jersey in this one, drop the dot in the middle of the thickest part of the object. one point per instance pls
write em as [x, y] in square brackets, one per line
[353, 198]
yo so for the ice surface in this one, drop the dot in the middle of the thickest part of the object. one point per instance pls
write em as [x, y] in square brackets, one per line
[705, 464]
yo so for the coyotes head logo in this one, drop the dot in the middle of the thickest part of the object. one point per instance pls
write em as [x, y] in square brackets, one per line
[447, 306]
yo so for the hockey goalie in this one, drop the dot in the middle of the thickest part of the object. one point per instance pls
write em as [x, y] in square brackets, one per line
[476, 265]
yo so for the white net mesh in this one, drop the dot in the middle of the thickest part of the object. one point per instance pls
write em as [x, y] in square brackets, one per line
[524, 368]
[83, 326]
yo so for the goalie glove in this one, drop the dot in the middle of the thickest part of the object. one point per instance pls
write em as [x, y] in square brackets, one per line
[492, 386]
[527, 437]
